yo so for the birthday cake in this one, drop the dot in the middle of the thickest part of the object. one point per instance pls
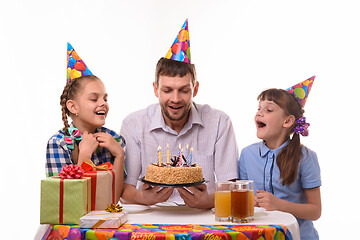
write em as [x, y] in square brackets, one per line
[176, 171]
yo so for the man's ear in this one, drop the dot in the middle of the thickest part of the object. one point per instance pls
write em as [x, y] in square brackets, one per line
[155, 90]
[72, 106]
[196, 89]
[289, 121]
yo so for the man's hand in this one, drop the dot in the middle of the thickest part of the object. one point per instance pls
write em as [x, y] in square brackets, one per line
[151, 195]
[197, 197]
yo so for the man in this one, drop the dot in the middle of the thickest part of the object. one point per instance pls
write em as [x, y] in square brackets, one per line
[175, 120]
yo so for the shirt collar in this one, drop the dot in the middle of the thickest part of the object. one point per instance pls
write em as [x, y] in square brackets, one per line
[265, 150]
[159, 122]
[98, 129]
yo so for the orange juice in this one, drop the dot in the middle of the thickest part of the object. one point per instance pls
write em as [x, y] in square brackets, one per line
[251, 203]
[222, 205]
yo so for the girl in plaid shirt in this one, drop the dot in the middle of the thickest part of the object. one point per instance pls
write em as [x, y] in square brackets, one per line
[84, 100]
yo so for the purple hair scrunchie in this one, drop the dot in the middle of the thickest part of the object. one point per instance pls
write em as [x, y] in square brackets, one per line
[302, 127]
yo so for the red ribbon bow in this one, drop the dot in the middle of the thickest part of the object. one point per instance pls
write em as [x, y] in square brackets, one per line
[90, 166]
[71, 172]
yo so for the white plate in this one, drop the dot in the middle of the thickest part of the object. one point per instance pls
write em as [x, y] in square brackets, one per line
[166, 204]
[135, 208]
[259, 209]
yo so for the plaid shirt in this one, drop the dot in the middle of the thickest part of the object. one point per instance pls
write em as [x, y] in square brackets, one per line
[59, 155]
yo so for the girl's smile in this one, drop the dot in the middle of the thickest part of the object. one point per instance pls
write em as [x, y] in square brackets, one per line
[91, 107]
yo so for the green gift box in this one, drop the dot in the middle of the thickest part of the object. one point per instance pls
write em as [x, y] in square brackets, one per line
[64, 201]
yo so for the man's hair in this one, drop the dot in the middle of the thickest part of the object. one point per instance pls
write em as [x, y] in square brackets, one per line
[172, 68]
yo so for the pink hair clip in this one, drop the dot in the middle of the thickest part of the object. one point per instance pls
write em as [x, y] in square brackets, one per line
[302, 127]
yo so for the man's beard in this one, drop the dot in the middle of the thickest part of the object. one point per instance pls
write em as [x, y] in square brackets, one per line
[167, 114]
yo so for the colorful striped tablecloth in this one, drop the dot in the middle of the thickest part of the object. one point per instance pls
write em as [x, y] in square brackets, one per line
[172, 232]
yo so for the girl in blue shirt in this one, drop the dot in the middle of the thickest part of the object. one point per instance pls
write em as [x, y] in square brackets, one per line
[285, 172]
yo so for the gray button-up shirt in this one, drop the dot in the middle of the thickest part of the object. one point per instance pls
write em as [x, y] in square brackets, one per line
[208, 131]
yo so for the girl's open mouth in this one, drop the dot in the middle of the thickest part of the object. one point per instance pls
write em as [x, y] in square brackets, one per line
[260, 124]
[100, 113]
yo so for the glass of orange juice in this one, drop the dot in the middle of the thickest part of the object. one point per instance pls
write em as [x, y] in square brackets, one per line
[223, 201]
[251, 199]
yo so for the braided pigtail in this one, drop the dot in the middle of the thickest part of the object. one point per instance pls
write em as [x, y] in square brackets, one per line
[63, 99]
[71, 89]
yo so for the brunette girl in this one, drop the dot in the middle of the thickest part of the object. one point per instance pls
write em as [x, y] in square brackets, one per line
[84, 100]
[285, 172]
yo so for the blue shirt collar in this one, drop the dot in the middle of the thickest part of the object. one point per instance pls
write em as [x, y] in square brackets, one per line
[265, 150]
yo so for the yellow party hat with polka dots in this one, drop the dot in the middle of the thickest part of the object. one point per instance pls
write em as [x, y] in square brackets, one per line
[76, 67]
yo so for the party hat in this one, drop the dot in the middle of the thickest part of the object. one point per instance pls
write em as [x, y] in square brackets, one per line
[76, 67]
[180, 49]
[301, 90]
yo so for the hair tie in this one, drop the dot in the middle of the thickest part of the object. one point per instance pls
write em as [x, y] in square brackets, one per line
[302, 127]
[74, 135]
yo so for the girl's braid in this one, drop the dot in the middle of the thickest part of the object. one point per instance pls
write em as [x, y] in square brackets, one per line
[63, 99]
[71, 88]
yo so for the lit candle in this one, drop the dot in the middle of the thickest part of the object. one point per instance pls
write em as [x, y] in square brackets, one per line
[159, 155]
[180, 160]
[168, 154]
[190, 158]
[179, 149]
[187, 152]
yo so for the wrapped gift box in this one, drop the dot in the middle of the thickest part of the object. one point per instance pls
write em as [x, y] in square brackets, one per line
[102, 185]
[103, 219]
[64, 201]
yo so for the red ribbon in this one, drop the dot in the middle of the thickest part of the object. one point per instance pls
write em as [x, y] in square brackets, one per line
[90, 168]
[61, 207]
[61, 199]
[93, 176]
[113, 186]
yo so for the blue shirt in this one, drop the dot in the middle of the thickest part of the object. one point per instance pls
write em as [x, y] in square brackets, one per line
[258, 162]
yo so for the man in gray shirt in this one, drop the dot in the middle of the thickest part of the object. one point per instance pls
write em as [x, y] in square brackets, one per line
[175, 120]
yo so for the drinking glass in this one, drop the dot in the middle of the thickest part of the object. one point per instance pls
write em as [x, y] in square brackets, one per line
[240, 202]
[223, 201]
[251, 199]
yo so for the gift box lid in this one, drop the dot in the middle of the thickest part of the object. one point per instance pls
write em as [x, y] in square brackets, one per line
[103, 219]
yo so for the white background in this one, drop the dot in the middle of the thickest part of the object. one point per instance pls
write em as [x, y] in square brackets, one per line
[239, 48]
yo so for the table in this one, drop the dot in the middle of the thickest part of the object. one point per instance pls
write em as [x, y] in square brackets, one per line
[196, 220]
